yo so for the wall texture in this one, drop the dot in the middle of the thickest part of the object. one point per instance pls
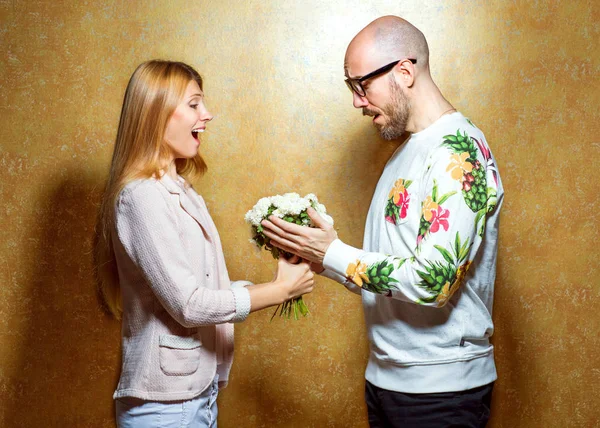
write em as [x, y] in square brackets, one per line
[525, 71]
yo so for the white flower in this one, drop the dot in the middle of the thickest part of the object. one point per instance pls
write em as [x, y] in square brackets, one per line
[288, 204]
[311, 197]
[327, 218]
[320, 208]
[278, 213]
[258, 212]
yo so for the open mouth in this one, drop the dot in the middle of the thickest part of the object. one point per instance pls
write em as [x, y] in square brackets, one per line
[196, 133]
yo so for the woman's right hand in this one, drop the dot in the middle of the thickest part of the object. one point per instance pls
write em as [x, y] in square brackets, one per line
[296, 278]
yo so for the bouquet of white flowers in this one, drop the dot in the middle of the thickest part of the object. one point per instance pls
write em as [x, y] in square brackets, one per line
[292, 208]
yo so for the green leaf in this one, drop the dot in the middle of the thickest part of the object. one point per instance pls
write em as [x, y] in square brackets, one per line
[464, 251]
[445, 197]
[457, 244]
[275, 252]
[445, 253]
[451, 138]
[426, 277]
[407, 183]
[434, 191]
[479, 215]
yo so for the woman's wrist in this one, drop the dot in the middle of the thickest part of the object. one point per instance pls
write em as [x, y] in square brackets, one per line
[282, 288]
[268, 294]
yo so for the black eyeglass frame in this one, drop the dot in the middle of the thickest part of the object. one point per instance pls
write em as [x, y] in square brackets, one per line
[355, 85]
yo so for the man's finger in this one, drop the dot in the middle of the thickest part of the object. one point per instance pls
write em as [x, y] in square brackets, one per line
[275, 229]
[281, 242]
[285, 225]
[316, 218]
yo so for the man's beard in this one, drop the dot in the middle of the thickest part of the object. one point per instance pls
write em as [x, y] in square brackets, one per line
[397, 112]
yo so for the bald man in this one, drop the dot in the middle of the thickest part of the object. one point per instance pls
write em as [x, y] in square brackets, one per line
[427, 267]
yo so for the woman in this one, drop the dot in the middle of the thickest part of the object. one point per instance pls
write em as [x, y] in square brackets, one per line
[160, 261]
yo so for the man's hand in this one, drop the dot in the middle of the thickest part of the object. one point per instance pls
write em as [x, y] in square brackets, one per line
[309, 243]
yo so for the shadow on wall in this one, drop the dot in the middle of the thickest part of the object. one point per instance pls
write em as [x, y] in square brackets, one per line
[506, 398]
[67, 356]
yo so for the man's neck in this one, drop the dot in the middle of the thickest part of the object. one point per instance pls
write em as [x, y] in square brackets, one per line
[427, 106]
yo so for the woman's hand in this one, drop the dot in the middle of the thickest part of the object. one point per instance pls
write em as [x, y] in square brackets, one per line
[294, 276]
[293, 279]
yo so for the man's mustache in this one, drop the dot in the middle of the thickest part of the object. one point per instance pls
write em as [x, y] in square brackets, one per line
[367, 112]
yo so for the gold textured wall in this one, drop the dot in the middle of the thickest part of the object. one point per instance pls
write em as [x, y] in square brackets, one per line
[525, 71]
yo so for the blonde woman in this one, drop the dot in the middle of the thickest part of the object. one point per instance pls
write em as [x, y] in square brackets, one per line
[160, 261]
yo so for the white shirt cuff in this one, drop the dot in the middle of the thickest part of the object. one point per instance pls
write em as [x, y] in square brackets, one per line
[339, 256]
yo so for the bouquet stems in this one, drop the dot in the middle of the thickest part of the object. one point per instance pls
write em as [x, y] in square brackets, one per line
[291, 307]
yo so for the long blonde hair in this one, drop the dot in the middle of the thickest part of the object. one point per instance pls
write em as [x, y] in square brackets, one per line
[152, 95]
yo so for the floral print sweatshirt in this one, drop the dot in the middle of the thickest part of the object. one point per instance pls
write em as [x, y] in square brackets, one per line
[427, 268]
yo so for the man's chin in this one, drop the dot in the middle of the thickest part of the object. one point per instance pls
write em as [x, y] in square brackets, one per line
[389, 133]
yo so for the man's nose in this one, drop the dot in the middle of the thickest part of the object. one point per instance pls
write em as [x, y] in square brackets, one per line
[358, 101]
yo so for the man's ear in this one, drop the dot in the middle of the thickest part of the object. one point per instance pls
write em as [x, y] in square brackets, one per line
[404, 72]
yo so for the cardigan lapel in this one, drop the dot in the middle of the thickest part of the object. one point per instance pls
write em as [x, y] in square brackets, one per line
[187, 204]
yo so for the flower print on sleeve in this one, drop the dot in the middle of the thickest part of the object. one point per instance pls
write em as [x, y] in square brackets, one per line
[375, 277]
[398, 202]
[433, 216]
[357, 273]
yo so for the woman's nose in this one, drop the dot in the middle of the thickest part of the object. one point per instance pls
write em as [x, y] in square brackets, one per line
[206, 115]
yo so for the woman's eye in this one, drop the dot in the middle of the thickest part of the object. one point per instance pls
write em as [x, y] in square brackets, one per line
[194, 106]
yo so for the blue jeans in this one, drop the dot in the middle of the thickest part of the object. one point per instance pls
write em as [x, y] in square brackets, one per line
[199, 412]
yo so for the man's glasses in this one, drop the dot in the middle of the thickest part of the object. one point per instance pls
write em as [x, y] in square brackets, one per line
[355, 85]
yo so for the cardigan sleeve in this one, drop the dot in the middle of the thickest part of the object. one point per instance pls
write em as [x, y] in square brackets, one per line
[448, 237]
[147, 228]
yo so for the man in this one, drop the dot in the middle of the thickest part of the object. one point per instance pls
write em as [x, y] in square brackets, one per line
[427, 268]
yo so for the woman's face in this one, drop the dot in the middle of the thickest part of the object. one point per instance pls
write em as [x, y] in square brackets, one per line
[187, 123]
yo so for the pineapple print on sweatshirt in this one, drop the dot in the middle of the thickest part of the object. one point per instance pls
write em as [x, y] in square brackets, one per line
[376, 277]
[442, 278]
[457, 190]
[471, 173]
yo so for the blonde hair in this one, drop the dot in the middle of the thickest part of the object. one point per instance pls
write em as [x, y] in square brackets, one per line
[152, 95]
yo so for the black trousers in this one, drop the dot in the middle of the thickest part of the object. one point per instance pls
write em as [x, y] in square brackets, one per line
[465, 409]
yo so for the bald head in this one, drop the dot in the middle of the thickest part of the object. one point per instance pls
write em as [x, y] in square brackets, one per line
[390, 38]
